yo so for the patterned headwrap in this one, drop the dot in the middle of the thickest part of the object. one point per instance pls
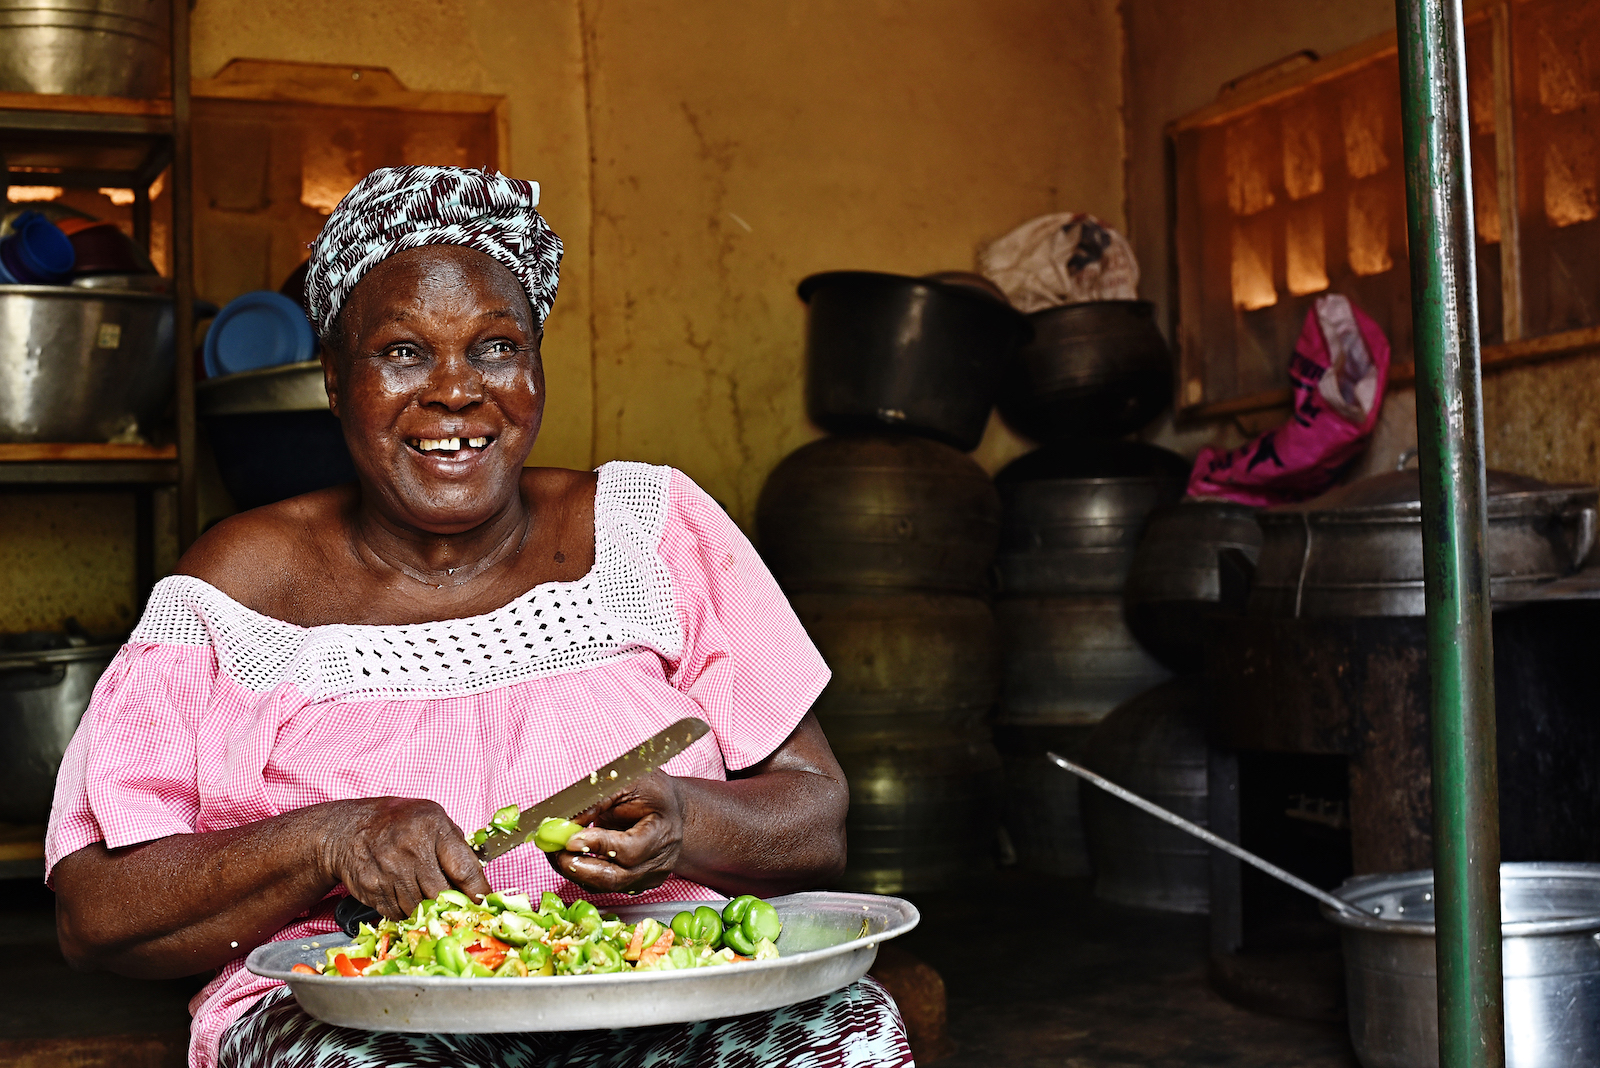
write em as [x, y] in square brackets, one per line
[396, 208]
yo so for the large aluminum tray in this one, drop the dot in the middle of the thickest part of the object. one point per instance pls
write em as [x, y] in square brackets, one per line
[823, 948]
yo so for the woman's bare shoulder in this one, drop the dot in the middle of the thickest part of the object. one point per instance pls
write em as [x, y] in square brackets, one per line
[266, 557]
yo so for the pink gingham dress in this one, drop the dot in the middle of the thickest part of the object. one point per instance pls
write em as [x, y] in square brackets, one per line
[214, 715]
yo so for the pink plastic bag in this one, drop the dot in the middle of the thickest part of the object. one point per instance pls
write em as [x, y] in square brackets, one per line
[1338, 372]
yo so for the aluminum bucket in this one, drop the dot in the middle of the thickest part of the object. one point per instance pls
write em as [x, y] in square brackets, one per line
[82, 364]
[84, 47]
[1551, 936]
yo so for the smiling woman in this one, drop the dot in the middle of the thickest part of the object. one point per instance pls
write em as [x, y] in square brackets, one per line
[333, 686]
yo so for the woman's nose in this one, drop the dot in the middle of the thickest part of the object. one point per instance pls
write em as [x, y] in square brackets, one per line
[454, 384]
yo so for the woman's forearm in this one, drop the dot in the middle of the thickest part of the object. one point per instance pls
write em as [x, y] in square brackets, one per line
[189, 902]
[770, 834]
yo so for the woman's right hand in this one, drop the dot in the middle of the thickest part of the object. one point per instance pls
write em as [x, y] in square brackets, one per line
[392, 852]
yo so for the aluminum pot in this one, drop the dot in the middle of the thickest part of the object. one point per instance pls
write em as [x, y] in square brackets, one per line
[272, 433]
[1357, 550]
[879, 512]
[1068, 660]
[1093, 370]
[915, 354]
[1071, 517]
[42, 696]
[1550, 943]
[1174, 585]
[85, 47]
[82, 364]
[1154, 745]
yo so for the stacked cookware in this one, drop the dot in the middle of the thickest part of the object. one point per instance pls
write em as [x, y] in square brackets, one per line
[884, 538]
[1072, 514]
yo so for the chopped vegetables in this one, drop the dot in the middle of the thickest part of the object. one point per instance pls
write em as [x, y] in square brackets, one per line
[507, 935]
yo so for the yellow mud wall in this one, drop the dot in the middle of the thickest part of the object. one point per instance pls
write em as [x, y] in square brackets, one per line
[698, 159]
[739, 147]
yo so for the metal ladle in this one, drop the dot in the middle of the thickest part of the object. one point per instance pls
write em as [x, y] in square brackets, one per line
[1335, 903]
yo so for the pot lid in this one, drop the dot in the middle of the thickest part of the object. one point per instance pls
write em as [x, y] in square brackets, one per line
[1398, 495]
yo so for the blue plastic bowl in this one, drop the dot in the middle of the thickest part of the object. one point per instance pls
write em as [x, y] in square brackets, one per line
[259, 329]
[36, 252]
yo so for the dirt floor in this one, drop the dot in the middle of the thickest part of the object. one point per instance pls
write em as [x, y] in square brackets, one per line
[1036, 972]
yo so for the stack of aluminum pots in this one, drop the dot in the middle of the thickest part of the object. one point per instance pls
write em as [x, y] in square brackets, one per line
[1073, 516]
[884, 539]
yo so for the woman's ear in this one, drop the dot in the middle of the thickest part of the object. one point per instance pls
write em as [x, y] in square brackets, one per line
[330, 377]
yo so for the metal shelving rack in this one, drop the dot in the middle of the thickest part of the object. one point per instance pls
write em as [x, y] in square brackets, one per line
[95, 142]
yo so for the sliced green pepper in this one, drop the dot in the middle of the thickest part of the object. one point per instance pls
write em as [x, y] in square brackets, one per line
[581, 909]
[537, 956]
[552, 903]
[423, 954]
[505, 820]
[553, 834]
[456, 897]
[765, 950]
[761, 921]
[451, 954]
[602, 957]
[738, 941]
[737, 909]
[509, 902]
[476, 970]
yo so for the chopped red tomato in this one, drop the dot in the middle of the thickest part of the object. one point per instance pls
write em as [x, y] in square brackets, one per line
[305, 969]
[657, 949]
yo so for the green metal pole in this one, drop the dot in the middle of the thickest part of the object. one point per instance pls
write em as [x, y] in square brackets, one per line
[1444, 310]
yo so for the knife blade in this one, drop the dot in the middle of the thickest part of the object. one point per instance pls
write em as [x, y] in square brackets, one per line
[598, 785]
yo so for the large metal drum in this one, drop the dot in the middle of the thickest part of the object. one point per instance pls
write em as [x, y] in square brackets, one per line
[879, 512]
[1069, 660]
[1072, 517]
[1357, 550]
[84, 47]
[43, 695]
[915, 354]
[1154, 745]
[1174, 586]
[1041, 816]
[1550, 943]
[1093, 370]
[914, 679]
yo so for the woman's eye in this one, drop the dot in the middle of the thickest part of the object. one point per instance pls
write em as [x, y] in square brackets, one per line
[500, 347]
[402, 352]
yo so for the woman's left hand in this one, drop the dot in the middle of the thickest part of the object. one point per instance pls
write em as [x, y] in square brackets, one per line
[635, 842]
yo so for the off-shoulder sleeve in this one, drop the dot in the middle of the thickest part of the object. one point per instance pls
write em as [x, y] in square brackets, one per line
[129, 773]
[746, 660]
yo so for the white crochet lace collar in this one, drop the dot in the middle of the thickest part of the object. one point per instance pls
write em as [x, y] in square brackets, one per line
[625, 603]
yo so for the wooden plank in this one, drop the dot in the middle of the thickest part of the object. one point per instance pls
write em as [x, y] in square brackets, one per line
[1506, 193]
[90, 105]
[182, 246]
[1496, 358]
[332, 84]
[1337, 65]
[24, 451]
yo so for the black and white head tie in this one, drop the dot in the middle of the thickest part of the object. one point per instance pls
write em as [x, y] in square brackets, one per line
[396, 208]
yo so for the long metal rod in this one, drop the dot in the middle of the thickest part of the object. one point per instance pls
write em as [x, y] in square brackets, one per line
[1444, 312]
[1206, 836]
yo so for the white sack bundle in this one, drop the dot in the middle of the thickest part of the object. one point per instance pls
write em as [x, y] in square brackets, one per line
[1065, 258]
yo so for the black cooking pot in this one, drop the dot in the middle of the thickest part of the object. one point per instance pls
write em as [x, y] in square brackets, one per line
[914, 354]
[1094, 370]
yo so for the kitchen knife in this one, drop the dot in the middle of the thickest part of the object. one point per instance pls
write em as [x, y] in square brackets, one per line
[598, 785]
[584, 794]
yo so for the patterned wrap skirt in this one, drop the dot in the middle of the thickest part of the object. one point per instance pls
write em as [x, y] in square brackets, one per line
[857, 1027]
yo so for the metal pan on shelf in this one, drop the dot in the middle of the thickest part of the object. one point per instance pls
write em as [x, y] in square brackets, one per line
[829, 941]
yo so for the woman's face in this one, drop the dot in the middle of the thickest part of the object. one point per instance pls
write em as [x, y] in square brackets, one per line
[437, 380]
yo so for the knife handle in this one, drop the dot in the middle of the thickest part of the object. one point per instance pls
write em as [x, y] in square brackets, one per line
[350, 914]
